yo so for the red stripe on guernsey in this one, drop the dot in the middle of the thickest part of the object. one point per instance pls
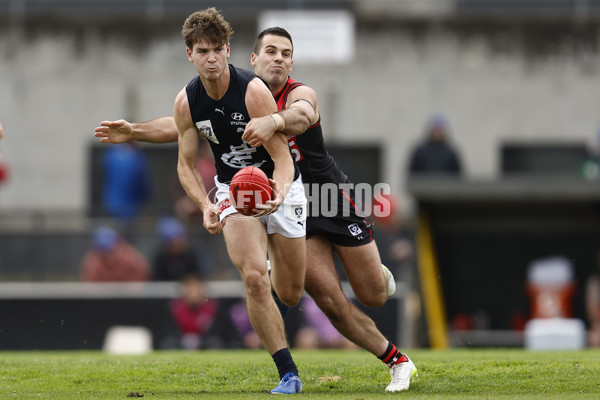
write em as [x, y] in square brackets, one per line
[283, 95]
[316, 123]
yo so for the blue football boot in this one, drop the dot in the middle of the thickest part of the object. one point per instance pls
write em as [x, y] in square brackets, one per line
[290, 384]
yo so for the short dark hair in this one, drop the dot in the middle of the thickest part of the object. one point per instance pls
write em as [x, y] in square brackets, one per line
[206, 24]
[275, 30]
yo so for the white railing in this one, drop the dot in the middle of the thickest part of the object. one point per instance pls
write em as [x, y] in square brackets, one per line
[132, 290]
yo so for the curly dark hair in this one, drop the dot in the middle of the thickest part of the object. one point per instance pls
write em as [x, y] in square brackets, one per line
[208, 25]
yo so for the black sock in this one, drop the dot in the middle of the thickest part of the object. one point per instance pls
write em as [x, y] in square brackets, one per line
[392, 355]
[284, 362]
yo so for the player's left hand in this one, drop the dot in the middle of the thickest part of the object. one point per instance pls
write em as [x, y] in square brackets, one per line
[259, 130]
[114, 131]
[270, 206]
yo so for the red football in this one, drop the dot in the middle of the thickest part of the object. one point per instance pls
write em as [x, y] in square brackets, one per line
[249, 188]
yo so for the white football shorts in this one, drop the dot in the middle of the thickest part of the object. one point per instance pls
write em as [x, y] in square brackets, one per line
[290, 218]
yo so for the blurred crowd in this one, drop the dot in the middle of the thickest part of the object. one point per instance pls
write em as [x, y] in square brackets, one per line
[198, 320]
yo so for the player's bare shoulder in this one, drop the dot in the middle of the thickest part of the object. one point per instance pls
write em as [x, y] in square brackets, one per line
[181, 103]
[181, 110]
[259, 100]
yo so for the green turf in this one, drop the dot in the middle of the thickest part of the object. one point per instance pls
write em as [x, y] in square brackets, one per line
[454, 374]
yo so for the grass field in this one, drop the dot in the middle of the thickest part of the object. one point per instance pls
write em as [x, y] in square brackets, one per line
[240, 374]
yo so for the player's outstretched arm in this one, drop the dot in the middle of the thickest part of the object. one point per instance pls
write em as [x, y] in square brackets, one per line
[159, 130]
[190, 178]
[301, 113]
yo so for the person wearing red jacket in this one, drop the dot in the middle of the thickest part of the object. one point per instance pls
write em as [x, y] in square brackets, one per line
[193, 313]
[112, 259]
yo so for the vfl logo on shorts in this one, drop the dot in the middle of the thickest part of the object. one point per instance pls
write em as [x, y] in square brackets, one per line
[295, 212]
[354, 229]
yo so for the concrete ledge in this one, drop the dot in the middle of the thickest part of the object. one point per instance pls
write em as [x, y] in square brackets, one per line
[132, 290]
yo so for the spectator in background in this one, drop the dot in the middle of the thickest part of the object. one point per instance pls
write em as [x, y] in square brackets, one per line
[319, 333]
[175, 258]
[241, 320]
[590, 168]
[112, 259]
[395, 244]
[127, 182]
[435, 155]
[592, 305]
[193, 313]
[3, 163]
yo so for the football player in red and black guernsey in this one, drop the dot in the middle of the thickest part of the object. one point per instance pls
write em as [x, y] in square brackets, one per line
[349, 235]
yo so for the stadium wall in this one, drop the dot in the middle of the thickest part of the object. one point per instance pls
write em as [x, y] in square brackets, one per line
[497, 81]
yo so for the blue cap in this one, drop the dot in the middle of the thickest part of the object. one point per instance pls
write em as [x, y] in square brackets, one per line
[438, 121]
[105, 238]
[170, 228]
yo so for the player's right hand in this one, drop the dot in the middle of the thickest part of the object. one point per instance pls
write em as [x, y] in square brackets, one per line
[114, 131]
[270, 206]
[211, 220]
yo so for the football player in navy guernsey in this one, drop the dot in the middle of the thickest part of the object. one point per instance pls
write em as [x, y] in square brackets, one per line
[371, 282]
[219, 102]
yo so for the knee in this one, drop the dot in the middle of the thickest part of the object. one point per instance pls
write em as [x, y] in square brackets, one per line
[334, 307]
[289, 290]
[372, 299]
[371, 293]
[257, 284]
[290, 296]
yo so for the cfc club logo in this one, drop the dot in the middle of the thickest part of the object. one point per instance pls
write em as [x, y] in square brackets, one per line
[236, 116]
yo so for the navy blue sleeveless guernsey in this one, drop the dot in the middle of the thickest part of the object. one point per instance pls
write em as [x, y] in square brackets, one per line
[223, 122]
